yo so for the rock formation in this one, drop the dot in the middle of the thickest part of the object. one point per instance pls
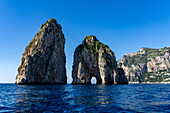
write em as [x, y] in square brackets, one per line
[43, 61]
[94, 59]
[122, 78]
[147, 65]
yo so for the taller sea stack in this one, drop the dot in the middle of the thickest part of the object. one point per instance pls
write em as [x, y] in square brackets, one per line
[43, 61]
[94, 59]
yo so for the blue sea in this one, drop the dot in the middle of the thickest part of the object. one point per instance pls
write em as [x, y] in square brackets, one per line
[85, 98]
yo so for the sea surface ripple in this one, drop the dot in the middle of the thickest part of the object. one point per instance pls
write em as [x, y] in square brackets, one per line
[85, 98]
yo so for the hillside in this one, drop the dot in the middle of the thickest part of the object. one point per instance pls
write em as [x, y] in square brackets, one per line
[147, 65]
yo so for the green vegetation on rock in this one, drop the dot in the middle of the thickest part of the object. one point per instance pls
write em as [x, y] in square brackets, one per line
[135, 60]
[149, 49]
[147, 65]
[92, 44]
[143, 58]
[33, 46]
[30, 45]
[88, 37]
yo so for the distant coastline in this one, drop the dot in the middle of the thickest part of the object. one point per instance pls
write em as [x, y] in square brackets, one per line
[149, 83]
[94, 83]
[148, 65]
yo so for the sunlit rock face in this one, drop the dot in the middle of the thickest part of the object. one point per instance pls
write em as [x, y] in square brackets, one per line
[94, 59]
[43, 61]
[147, 65]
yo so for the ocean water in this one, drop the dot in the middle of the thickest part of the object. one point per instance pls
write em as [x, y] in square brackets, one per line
[85, 98]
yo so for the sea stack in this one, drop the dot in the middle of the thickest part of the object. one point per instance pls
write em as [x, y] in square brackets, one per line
[94, 59]
[43, 61]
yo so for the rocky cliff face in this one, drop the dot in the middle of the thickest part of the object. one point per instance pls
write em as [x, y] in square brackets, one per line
[43, 61]
[94, 59]
[147, 65]
[122, 78]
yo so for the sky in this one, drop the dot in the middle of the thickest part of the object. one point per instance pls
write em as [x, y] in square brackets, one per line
[124, 25]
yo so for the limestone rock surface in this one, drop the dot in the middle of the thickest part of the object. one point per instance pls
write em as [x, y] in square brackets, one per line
[43, 61]
[94, 59]
[147, 65]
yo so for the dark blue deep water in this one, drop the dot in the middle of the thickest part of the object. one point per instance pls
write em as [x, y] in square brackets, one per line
[85, 98]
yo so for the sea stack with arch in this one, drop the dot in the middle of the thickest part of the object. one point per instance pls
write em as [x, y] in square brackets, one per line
[43, 61]
[94, 59]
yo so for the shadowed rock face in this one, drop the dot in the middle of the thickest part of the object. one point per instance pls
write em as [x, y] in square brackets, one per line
[94, 59]
[43, 61]
[122, 78]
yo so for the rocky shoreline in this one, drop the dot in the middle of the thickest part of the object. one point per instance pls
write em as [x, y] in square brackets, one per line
[147, 65]
[149, 83]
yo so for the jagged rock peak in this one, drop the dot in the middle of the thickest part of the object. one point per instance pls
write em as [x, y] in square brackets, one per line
[90, 38]
[51, 23]
[94, 59]
[43, 61]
